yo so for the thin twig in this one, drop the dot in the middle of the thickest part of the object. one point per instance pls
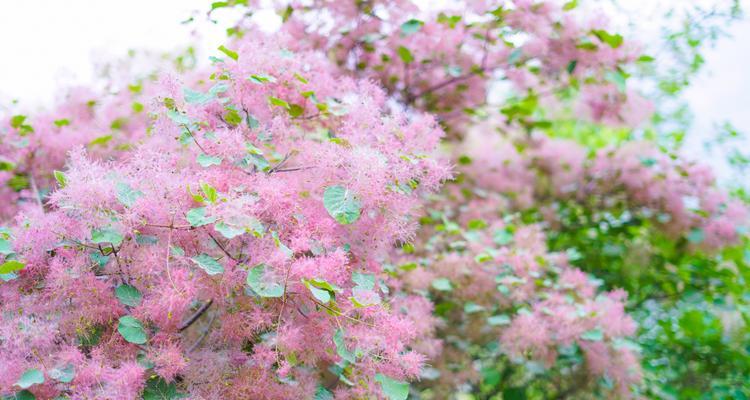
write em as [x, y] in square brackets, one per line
[194, 317]
[221, 246]
[203, 335]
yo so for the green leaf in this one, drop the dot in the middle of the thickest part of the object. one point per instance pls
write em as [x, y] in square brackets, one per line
[257, 281]
[515, 56]
[442, 284]
[259, 161]
[503, 237]
[341, 350]
[284, 249]
[197, 217]
[514, 393]
[101, 140]
[17, 120]
[570, 5]
[366, 281]
[64, 374]
[471, 308]
[571, 66]
[6, 165]
[362, 297]
[393, 389]
[208, 264]
[275, 101]
[482, 258]
[296, 110]
[321, 289]
[261, 79]
[497, 320]
[323, 394]
[60, 177]
[158, 389]
[218, 88]
[231, 54]
[232, 117]
[228, 231]
[128, 295]
[411, 26]
[131, 330]
[594, 335]
[22, 395]
[405, 54]
[206, 161]
[341, 204]
[195, 97]
[209, 192]
[106, 235]
[5, 247]
[11, 266]
[613, 40]
[178, 117]
[127, 195]
[30, 378]
[696, 236]
[323, 296]
[618, 78]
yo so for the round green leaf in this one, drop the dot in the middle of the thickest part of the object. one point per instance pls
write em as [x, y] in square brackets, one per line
[206, 161]
[132, 330]
[393, 389]
[594, 335]
[442, 284]
[228, 231]
[64, 374]
[197, 217]
[106, 235]
[341, 204]
[30, 378]
[256, 279]
[11, 266]
[128, 295]
[22, 395]
[208, 264]
[127, 195]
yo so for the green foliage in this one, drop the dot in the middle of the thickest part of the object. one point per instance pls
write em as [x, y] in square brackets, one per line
[230, 53]
[132, 330]
[341, 204]
[197, 217]
[30, 378]
[11, 266]
[393, 389]
[128, 295]
[208, 264]
[259, 283]
[158, 389]
[64, 373]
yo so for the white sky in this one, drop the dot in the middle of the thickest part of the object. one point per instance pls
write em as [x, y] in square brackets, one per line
[49, 44]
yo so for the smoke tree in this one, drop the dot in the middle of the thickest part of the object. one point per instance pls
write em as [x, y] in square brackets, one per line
[345, 208]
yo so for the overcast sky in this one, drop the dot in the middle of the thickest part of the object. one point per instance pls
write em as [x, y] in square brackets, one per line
[48, 44]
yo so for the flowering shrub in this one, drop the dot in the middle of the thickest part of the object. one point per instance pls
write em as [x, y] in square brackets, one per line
[292, 222]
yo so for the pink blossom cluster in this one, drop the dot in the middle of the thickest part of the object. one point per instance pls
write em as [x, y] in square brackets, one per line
[446, 59]
[541, 310]
[211, 254]
[680, 196]
[33, 146]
